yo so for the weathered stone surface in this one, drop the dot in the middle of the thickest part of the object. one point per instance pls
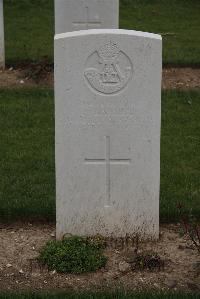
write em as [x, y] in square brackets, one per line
[73, 15]
[107, 116]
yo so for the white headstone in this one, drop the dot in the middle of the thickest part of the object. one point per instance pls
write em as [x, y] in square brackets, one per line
[72, 15]
[2, 50]
[107, 116]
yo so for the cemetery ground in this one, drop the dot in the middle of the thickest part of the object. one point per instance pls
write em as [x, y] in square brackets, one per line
[19, 269]
[27, 187]
[27, 202]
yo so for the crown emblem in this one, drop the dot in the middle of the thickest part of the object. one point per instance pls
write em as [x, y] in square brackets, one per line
[109, 52]
[114, 71]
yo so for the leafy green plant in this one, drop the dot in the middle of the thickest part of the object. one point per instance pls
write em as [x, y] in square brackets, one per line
[73, 255]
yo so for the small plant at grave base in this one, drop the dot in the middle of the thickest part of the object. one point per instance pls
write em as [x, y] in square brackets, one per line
[73, 255]
[147, 261]
[189, 226]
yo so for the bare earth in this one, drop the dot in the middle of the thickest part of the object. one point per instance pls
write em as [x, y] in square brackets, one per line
[20, 245]
[179, 78]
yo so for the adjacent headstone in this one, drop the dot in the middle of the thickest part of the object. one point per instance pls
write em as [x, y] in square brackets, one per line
[2, 49]
[73, 15]
[107, 116]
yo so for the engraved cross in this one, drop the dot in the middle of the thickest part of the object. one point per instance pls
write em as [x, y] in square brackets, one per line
[88, 21]
[108, 161]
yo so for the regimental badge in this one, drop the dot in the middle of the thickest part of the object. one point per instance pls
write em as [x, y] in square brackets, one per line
[108, 70]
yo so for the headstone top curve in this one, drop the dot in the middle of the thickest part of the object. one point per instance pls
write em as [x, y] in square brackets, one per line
[107, 32]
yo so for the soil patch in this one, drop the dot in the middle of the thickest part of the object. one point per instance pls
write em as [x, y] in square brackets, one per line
[20, 245]
[181, 78]
[42, 75]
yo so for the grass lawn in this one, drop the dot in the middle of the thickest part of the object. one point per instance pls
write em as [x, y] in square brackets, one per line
[29, 28]
[180, 153]
[27, 185]
[108, 295]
